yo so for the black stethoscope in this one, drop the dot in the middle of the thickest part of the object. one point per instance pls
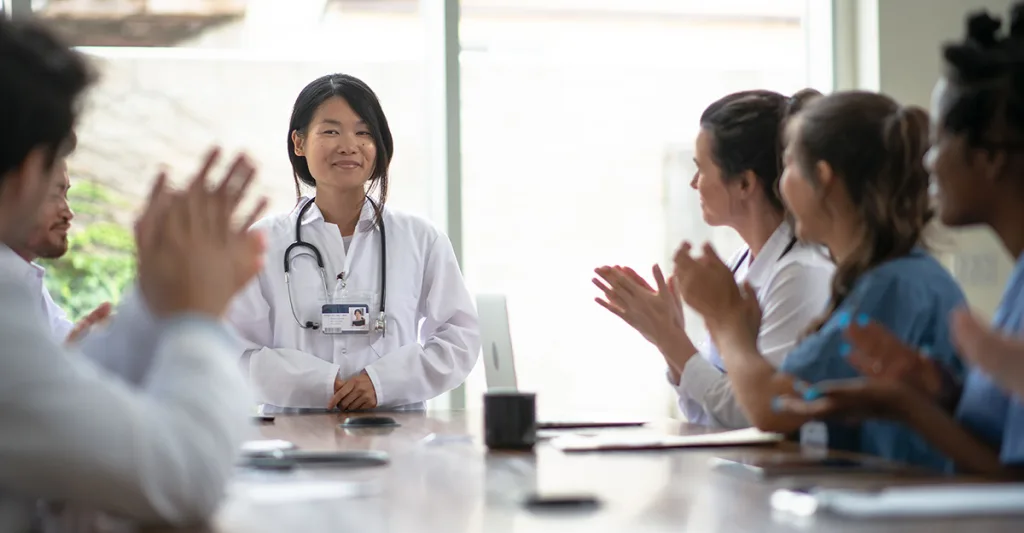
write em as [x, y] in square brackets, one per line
[381, 322]
[746, 253]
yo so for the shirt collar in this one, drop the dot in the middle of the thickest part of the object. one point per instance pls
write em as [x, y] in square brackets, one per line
[12, 263]
[764, 263]
[313, 214]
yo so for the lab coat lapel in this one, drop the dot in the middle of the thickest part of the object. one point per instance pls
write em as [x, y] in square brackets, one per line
[764, 264]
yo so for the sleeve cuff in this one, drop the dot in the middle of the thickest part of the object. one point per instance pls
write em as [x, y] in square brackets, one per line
[375, 380]
[668, 377]
[698, 377]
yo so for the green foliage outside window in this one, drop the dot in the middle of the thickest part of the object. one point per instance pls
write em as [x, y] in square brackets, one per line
[100, 261]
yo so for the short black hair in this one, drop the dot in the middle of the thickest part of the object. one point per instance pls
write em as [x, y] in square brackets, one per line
[747, 130]
[986, 72]
[40, 89]
[364, 102]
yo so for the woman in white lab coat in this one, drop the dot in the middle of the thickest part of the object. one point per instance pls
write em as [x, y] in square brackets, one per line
[739, 162]
[358, 306]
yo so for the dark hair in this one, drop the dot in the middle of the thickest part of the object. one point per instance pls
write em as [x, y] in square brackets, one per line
[876, 148]
[68, 146]
[40, 87]
[987, 68]
[746, 131]
[365, 103]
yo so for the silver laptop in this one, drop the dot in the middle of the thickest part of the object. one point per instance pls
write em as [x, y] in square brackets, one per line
[499, 361]
[496, 342]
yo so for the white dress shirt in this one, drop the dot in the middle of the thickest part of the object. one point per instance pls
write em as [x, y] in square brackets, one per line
[144, 423]
[432, 337]
[793, 288]
[56, 318]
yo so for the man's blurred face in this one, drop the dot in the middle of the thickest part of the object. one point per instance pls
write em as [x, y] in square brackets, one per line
[49, 237]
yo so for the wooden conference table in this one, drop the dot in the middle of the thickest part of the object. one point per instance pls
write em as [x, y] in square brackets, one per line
[450, 483]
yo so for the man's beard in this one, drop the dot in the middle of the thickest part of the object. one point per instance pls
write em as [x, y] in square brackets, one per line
[51, 250]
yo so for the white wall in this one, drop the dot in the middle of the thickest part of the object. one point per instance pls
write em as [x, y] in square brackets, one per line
[894, 46]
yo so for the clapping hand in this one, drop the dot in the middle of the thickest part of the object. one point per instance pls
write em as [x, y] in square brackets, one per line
[878, 354]
[1001, 357]
[656, 314]
[707, 285]
[96, 316]
[192, 257]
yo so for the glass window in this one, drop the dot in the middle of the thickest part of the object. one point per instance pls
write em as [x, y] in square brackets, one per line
[579, 118]
[179, 76]
[578, 122]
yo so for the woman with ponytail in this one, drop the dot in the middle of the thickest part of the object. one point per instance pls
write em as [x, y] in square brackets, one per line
[977, 163]
[738, 155]
[855, 182]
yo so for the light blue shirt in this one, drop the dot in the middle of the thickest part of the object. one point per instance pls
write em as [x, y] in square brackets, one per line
[990, 413]
[912, 297]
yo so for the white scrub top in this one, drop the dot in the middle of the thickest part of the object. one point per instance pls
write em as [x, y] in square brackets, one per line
[432, 338]
[793, 288]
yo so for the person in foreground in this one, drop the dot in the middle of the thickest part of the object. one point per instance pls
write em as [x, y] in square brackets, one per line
[855, 182]
[739, 161]
[154, 436]
[49, 240]
[977, 163]
[417, 335]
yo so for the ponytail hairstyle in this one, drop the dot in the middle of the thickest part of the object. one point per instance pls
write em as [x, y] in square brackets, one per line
[987, 70]
[876, 148]
[746, 130]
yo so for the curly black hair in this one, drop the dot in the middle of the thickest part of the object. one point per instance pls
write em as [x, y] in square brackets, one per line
[986, 71]
[40, 89]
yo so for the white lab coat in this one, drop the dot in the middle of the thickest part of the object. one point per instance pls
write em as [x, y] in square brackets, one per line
[792, 289]
[432, 339]
[145, 422]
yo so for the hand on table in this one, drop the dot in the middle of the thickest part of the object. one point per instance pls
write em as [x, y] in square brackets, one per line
[354, 394]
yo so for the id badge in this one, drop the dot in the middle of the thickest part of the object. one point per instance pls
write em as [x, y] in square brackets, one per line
[350, 315]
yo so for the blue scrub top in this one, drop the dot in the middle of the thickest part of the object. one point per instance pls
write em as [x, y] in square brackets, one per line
[988, 412]
[912, 296]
